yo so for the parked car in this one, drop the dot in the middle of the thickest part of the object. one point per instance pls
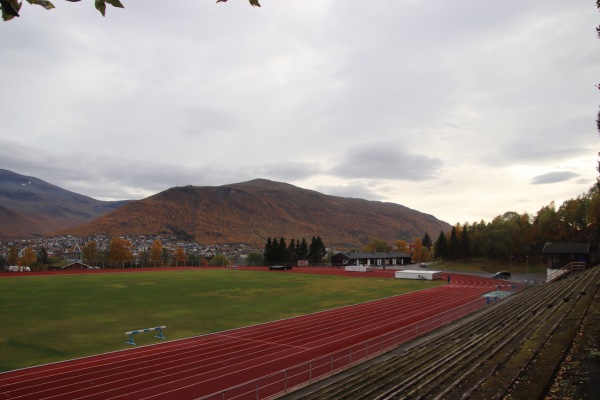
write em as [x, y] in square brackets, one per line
[501, 275]
[280, 267]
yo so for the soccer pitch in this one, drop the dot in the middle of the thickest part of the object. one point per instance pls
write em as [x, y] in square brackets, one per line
[53, 318]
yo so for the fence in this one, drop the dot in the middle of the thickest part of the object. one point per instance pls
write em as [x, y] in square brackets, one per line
[309, 372]
[568, 269]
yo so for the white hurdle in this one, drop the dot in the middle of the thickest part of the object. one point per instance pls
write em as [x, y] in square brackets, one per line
[131, 333]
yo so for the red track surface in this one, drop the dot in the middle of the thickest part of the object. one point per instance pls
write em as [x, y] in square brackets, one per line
[194, 367]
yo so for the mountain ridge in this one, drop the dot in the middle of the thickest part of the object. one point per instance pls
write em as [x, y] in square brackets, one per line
[31, 207]
[250, 212]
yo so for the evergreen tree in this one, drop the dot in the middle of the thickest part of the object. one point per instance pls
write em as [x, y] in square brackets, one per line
[43, 256]
[426, 241]
[281, 251]
[316, 250]
[454, 245]
[321, 250]
[465, 242]
[291, 251]
[440, 247]
[303, 252]
[268, 252]
[297, 251]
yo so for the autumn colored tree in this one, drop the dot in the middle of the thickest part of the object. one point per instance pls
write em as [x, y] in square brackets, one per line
[179, 256]
[156, 252]
[377, 245]
[13, 256]
[90, 251]
[593, 211]
[572, 215]
[29, 257]
[417, 251]
[219, 261]
[425, 254]
[119, 250]
[545, 224]
[402, 246]
[144, 257]
[203, 262]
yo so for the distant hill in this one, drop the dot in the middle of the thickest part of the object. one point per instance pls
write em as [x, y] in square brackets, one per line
[30, 207]
[250, 212]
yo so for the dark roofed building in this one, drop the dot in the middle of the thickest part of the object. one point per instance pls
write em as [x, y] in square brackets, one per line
[561, 254]
[72, 253]
[374, 259]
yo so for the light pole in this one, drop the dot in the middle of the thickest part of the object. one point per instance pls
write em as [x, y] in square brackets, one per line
[526, 269]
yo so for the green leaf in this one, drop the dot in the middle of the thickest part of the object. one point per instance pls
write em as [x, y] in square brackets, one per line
[44, 3]
[101, 6]
[254, 3]
[10, 9]
[115, 3]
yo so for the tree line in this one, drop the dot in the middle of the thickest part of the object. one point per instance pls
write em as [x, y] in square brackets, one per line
[510, 237]
[118, 254]
[279, 252]
[521, 237]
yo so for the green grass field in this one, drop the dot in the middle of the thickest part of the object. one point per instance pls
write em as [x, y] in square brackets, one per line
[53, 318]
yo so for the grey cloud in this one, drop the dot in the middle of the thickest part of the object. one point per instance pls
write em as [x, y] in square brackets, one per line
[357, 191]
[432, 88]
[284, 170]
[553, 177]
[385, 161]
[112, 177]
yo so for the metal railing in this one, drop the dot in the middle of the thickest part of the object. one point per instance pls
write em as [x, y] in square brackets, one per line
[567, 270]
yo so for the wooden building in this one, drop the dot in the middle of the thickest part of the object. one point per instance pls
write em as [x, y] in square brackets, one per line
[371, 259]
[559, 255]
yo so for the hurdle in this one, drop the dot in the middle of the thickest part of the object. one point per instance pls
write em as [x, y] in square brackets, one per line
[131, 333]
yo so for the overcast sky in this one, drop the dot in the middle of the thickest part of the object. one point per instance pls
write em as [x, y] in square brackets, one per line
[463, 109]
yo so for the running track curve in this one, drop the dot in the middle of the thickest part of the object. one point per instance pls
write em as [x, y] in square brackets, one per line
[198, 366]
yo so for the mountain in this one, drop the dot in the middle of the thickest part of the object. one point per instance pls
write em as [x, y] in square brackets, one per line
[30, 207]
[249, 212]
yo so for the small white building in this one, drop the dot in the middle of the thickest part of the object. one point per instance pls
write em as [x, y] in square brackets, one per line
[414, 274]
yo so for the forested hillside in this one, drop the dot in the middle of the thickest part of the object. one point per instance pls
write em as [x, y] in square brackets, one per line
[250, 212]
[30, 207]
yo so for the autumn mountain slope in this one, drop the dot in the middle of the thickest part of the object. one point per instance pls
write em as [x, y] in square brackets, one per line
[30, 207]
[249, 212]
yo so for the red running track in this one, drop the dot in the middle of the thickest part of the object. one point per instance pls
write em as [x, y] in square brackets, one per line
[198, 366]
